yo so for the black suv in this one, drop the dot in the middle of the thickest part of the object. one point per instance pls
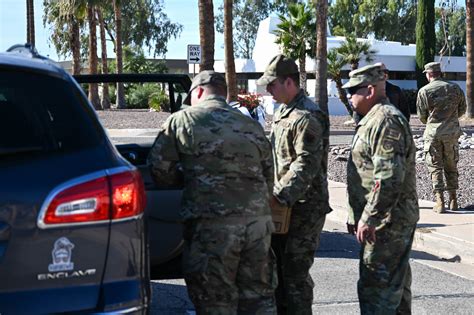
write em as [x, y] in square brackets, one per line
[72, 230]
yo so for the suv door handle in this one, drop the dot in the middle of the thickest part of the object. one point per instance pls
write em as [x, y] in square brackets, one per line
[4, 231]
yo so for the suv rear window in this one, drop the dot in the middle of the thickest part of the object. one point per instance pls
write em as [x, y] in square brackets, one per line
[43, 113]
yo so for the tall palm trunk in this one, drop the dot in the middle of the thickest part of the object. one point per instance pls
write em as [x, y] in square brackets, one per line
[231, 76]
[343, 96]
[321, 88]
[119, 58]
[75, 46]
[93, 88]
[469, 57]
[30, 22]
[206, 34]
[105, 101]
[302, 64]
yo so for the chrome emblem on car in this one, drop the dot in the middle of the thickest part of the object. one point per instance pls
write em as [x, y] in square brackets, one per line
[62, 253]
[66, 275]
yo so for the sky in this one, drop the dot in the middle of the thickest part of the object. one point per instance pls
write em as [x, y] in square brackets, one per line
[185, 12]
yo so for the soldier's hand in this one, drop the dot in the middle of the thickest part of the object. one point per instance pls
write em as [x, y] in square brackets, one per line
[351, 228]
[365, 233]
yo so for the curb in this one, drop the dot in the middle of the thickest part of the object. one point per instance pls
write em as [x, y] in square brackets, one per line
[446, 247]
[432, 238]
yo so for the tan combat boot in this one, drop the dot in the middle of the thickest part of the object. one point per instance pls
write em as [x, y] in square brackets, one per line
[453, 201]
[439, 206]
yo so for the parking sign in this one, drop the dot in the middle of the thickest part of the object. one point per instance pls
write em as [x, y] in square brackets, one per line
[194, 54]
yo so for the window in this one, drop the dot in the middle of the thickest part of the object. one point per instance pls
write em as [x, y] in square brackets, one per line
[43, 113]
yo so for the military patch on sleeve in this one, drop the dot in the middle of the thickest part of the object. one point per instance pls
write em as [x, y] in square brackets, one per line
[394, 134]
[390, 140]
[387, 146]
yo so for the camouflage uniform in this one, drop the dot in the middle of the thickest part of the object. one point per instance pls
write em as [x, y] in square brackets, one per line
[300, 140]
[382, 194]
[439, 105]
[225, 162]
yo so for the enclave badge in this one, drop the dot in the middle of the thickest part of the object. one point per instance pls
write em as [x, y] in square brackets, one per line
[62, 253]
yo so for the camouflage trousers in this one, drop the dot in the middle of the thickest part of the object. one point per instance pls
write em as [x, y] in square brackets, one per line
[442, 156]
[295, 256]
[384, 286]
[228, 265]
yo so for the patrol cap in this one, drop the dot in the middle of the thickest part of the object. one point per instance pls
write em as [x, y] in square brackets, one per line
[432, 67]
[279, 66]
[203, 78]
[382, 66]
[369, 74]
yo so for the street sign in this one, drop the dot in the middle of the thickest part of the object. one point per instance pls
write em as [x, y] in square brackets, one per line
[194, 54]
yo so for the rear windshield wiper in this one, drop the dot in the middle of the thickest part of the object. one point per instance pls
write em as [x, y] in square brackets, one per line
[20, 150]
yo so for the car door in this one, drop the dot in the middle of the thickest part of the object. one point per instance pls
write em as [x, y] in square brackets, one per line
[161, 214]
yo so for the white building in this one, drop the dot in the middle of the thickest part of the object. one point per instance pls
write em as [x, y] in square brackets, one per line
[399, 59]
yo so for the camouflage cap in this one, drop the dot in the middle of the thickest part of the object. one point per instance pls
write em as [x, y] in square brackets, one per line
[279, 66]
[203, 78]
[369, 74]
[432, 67]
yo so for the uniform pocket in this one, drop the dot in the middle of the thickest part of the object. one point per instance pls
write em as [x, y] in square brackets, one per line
[456, 152]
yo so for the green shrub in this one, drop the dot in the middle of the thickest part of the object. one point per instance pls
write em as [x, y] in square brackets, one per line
[138, 95]
[159, 101]
[147, 95]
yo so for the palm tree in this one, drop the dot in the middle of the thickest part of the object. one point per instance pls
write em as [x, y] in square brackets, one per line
[30, 22]
[469, 57]
[335, 64]
[352, 51]
[72, 13]
[229, 52]
[93, 87]
[75, 46]
[120, 101]
[66, 17]
[321, 87]
[105, 102]
[206, 34]
[295, 34]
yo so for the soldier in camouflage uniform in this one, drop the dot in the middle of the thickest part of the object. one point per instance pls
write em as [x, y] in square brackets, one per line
[224, 161]
[383, 204]
[300, 140]
[439, 105]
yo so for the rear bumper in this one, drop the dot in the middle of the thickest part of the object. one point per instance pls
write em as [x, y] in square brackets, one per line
[124, 297]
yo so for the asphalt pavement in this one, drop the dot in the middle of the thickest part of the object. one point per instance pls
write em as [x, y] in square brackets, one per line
[449, 236]
[436, 288]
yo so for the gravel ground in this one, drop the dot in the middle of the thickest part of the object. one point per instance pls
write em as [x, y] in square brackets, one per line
[131, 118]
[142, 118]
[337, 172]
[123, 119]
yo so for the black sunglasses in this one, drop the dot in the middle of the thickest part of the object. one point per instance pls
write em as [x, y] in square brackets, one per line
[353, 90]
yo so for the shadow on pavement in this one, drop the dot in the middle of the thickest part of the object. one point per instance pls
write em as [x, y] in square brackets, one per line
[337, 245]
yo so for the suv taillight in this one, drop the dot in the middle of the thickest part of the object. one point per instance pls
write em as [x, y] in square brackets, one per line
[84, 202]
[117, 196]
[128, 194]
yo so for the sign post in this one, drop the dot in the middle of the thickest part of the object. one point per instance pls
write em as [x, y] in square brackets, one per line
[194, 56]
